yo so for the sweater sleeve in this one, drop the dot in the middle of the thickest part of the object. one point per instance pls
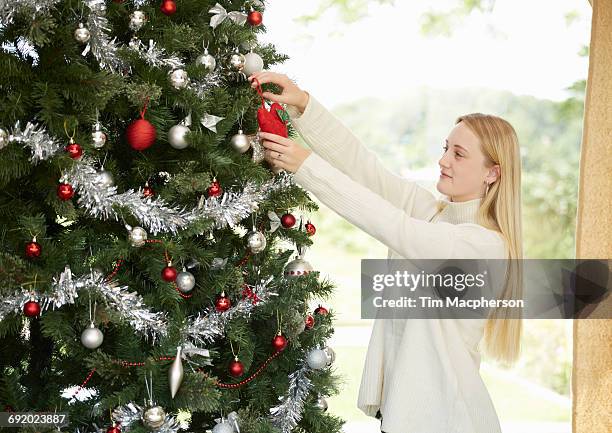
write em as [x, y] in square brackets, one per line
[335, 143]
[410, 237]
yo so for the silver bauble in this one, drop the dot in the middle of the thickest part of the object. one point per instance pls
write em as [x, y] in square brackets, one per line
[331, 355]
[105, 179]
[138, 236]
[321, 404]
[240, 142]
[256, 242]
[137, 20]
[154, 417]
[317, 359]
[176, 136]
[297, 267]
[98, 137]
[178, 78]
[237, 61]
[4, 138]
[175, 373]
[82, 34]
[92, 337]
[185, 281]
[207, 61]
[223, 427]
[253, 63]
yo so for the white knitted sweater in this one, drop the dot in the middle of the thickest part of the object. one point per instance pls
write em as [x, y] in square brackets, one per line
[422, 374]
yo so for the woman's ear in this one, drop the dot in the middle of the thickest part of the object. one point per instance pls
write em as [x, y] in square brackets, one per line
[494, 173]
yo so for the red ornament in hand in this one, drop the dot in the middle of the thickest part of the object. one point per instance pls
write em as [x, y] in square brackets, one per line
[75, 151]
[31, 308]
[279, 342]
[169, 273]
[33, 249]
[321, 310]
[310, 321]
[168, 7]
[255, 18]
[310, 228]
[288, 220]
[65, 191]
[214, 190]
[236, 368]
[223, 303]
[270, 121]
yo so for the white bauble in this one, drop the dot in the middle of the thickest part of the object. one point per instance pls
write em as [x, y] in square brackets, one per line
[92, 337]
[137, 20]
[240, 142]
[178, 78]
[256, 242]
[154, 417]
[317, 359]
[253, 63]
[82, 34]
[177, 136]
[185, 281]
[321, 404]
[105, 179]
[207, 61]
[223, 427]
[138, 236]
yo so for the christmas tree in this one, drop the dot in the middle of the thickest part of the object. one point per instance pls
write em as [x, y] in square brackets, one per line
[152, 275]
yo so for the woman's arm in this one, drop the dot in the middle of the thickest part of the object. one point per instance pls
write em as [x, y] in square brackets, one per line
[333, 141]
[410, 237]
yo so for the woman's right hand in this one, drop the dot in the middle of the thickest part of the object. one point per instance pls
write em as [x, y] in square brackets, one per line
[291, 93]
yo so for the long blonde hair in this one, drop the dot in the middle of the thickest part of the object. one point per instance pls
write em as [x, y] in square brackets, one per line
[501, 210]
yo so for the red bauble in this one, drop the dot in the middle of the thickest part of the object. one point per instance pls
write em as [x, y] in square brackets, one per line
[310, 321]
[310, 228]
[236, 368]
[215, 190]
[147, 191]
[169, 273]
[140, 134]
[31, 309]
[279, 342]
[113, 429]
[223, 303]
[288, 220]
[65, 191]
[321, 310]
[271, 121]
[74, 150]
[33, 249]
[255, 18]
[168, 7]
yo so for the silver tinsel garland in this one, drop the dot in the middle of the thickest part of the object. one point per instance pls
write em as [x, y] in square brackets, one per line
[155, 56]
[129, 305]
[102, 201]
[288, 413]
[34, 137]
[10, 8]
[211, 324]
[103, 48]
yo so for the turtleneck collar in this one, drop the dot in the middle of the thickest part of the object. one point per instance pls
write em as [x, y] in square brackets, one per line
[459, 212]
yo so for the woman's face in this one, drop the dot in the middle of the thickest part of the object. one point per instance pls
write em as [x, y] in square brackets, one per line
[462, 166]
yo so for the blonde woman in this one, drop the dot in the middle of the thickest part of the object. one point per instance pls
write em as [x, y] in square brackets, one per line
[420, 376]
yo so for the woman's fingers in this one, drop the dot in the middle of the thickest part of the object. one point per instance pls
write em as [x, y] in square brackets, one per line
[275, 147]
[274, 97]
[276, 138]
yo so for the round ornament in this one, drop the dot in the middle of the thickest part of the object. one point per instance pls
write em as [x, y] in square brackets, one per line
[317, 359]
[65, 191]
[92, 337]
[138, 236]
[206, 60]
[240, 142]
[31, 308]
[256, 242]
[185, 281]
[154, 417]
[253, 63]
[82, 34]
[140, 134]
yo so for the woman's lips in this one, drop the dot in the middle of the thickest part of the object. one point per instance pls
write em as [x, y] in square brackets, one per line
[444, 175]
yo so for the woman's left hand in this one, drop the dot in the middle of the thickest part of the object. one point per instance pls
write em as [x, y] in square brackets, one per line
[283, 152]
